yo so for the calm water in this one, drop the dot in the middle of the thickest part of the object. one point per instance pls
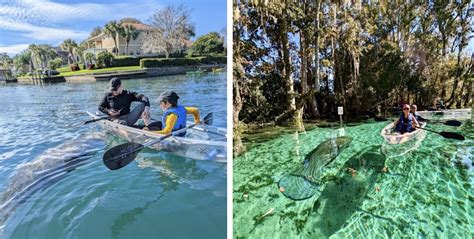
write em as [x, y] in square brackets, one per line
[426, 193]
[53, 183]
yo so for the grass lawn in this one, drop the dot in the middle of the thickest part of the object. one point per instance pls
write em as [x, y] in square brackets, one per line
[104, 70]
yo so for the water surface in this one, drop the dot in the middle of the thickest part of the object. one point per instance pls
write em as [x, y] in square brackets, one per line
[53, 183]
[425, 193]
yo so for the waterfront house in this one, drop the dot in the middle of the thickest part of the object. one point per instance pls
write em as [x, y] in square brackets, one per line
[102, 42]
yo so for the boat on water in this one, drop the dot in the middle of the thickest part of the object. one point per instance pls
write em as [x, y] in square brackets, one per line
[202, 142]
[457, 114]
[396, 144]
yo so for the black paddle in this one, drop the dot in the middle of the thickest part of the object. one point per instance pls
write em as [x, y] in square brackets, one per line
[121, 155]
[94, 120]
[449, 122]
[449, 135]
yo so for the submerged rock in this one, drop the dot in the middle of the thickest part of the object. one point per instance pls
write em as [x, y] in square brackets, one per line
[305, 181]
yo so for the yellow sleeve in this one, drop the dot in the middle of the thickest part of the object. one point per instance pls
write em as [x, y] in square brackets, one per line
[195, 112]
[170, 122]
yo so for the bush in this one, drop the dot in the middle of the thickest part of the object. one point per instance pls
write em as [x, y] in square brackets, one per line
[90, 57]
[55, 64]
[104, 59]
[125, 61]
[160, 62]
[210, 43]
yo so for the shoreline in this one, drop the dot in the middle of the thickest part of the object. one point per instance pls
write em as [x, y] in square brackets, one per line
[125, 74]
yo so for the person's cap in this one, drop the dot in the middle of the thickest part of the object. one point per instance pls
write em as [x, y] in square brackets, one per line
[169, 96]
[114, 84]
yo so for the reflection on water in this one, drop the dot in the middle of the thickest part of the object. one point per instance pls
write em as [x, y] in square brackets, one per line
[37, 128]
[426, 192]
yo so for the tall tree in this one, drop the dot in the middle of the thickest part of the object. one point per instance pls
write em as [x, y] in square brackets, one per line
[112, 29]
[95, 31]
[69, 45]
[129, 33]
[173, 29]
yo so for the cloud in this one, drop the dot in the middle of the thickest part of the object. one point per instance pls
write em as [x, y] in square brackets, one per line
[39, 32]
[48, 13]
[13, 49]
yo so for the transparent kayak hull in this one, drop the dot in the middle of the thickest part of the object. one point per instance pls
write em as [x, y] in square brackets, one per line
[396, 144]
[201, 142]
[457, 114]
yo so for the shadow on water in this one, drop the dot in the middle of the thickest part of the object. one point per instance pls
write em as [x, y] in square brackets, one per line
[346, 194]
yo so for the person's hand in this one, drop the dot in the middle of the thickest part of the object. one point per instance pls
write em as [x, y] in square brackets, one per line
[146, 112]
[114, 113]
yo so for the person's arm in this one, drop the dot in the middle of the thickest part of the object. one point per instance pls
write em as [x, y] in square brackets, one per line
[140, 97]
[195, 112]
[104, 105]
[171, 120]
[415, 122]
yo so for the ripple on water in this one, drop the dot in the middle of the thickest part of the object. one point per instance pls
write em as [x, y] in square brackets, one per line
[424, 192]
[91, 201]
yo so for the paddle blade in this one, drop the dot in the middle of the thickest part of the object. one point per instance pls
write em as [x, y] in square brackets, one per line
[453, 123]
[452, 135]
[121, 155]
[208, 119]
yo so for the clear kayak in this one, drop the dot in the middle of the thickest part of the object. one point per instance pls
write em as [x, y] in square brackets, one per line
[457, 114]
[202, 142]
[393, 137]
[396, 144]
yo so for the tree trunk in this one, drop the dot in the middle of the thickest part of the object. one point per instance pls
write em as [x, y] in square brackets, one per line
[296, 118]
[312, 100]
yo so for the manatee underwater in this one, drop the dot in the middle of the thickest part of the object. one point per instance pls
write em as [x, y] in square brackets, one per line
[305, 181]
[51, 166]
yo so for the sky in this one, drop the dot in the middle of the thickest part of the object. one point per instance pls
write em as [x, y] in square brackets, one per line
[25, 22]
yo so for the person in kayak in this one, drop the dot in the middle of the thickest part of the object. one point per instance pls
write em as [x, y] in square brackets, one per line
[174, 116]
[406, 122]
[116, 103]
[414, 113]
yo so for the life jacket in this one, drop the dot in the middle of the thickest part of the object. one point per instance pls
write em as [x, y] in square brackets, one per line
[405, 125]
[179, 111]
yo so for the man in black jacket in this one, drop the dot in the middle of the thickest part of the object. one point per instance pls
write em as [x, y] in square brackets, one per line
[117, 101]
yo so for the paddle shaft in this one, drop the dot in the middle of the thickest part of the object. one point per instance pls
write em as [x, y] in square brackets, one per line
[94, 120]
[449, 135]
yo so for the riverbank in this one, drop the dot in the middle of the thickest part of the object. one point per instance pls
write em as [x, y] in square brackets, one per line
[122, 72]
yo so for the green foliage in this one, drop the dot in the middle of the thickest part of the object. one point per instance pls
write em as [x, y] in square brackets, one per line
[365, 60]
[125, 61]
[104, 59]
[210, 43]
[55, 63]
[160, 62]
[89, 57]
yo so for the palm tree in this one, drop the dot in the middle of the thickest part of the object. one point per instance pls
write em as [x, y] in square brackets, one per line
[112, 29]
[69, 45]
[129, 33]
[22, 61]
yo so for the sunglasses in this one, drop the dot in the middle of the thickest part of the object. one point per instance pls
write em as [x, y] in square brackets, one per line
[406, 108]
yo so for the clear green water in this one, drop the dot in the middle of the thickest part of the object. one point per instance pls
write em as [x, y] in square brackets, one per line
[426, 192]
[157, 195]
